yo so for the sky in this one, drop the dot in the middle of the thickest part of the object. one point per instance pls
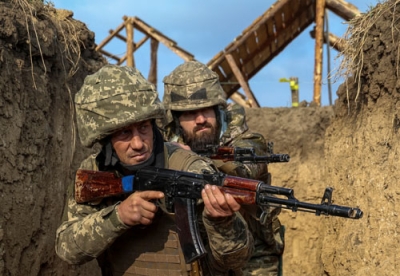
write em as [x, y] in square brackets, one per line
[204, 28]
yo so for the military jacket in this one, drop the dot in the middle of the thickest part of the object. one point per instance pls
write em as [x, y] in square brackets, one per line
[95, 231]
[269, 244]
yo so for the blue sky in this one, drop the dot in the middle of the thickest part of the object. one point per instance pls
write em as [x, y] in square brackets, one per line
[204, 28]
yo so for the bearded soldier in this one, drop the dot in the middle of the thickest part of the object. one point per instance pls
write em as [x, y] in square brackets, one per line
[133, 234]
[198, 116]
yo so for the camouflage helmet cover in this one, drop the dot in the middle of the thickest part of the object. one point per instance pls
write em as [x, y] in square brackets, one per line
[112, 98]
[192, 85]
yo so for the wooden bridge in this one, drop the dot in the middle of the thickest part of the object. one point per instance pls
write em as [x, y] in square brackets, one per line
[257, 45]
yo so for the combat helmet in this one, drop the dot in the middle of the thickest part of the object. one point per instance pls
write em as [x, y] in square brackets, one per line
[192, 85]
[112, 98]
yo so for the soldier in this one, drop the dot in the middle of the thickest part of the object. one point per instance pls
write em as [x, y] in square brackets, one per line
[197, 116]
[131, 235]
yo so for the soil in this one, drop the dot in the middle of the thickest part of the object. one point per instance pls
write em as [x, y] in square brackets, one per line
[352, 146]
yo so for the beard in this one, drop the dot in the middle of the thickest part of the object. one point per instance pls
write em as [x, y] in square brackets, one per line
[200, 141]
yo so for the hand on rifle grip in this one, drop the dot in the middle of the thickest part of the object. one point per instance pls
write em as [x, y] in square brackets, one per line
[217, 204]
[138, 208]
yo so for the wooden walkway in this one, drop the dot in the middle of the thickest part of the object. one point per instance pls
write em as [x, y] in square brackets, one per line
[258, 44]
[265, 38]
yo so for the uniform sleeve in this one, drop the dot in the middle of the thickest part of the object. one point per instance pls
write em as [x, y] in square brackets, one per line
[258, 143]
[229, 239]
[87, 230]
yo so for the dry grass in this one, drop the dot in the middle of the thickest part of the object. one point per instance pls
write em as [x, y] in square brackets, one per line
[28, 8]
[69, 44]
[355, 38]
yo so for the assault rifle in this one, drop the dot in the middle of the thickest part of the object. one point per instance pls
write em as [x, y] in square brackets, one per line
[244, 155]
[183, 189]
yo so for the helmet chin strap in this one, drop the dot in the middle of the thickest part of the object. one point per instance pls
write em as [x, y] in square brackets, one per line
[223, 121]
[156, 158]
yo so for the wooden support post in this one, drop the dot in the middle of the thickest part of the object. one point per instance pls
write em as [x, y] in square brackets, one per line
[243, 83]
[239, 99]
[319, 41]
[153, 62]
[130, 61]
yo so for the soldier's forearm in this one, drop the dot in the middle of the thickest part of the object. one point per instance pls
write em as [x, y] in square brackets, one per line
[230, 242]
[79, 241]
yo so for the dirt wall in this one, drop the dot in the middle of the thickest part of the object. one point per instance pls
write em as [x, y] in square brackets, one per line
[362, 149]
[300, 133]
[44, 57]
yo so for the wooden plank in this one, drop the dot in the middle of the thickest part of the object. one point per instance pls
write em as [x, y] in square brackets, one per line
[287, 18]
[295, 19]
[110, 36]
[237, 98]
[304, 13]
[229, 81]
[342, 8]
[104, 52]
[266, 38]
[169, 43]
[279, 26]
[334, 41]
[261, 35]
[264, 48]
[251, 43]
[242, 81]
[272, 35]
[240, 55]
[153, 62]
[269, 14]
[319, 43]
[213, 63]
[130, 60]
[136, 45]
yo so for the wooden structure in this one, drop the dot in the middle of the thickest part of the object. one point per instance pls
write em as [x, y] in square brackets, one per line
[258, 44]
[130, 24]
[267, 36]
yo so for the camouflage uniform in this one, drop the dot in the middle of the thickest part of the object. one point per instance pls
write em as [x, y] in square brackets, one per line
[110, 99]
[193, 86]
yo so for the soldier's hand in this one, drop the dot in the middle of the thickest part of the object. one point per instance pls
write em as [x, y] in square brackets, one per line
[218, 204]
[137, 208]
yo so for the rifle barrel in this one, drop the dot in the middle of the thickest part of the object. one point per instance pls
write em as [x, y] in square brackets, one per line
[325, 209]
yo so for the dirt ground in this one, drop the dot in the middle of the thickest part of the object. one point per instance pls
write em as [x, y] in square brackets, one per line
[353, 146]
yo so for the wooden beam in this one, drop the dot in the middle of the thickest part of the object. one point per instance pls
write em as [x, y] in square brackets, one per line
[140, 43]
[343, 9]
[172, 45]
[319, 42]
[334, 41]
[108, 38]
[130, 60]
[238, 98]
[153, 62]
[136, 45]
[108, 54]
[243, 83]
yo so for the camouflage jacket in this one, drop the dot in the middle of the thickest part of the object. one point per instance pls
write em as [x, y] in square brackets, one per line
[94, 231]
[268, 242]
[237, 134]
